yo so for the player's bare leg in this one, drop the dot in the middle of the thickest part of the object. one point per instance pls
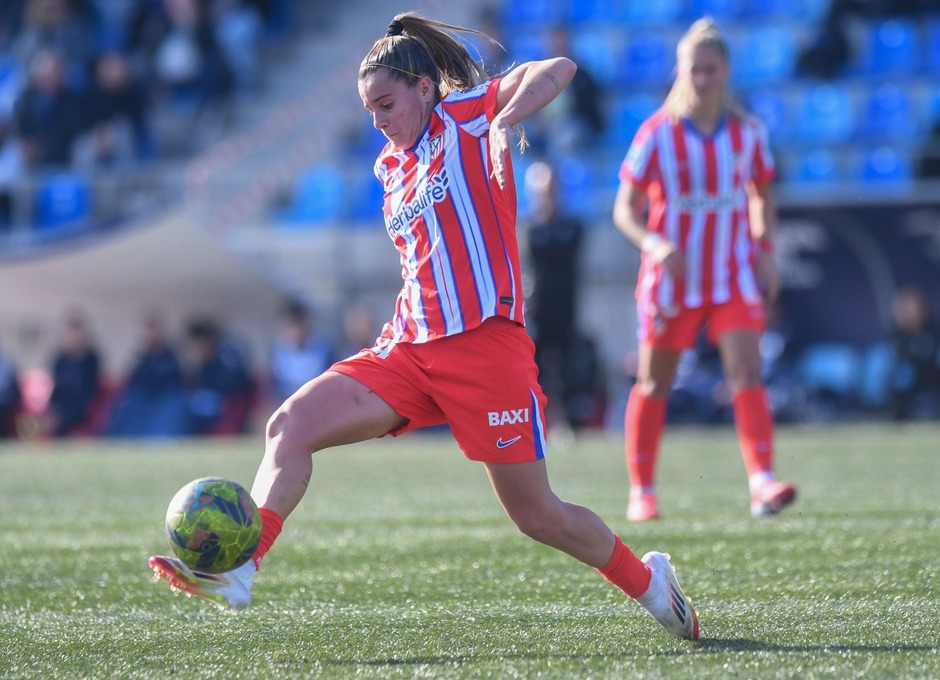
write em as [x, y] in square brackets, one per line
[526, 495]
[330, 410]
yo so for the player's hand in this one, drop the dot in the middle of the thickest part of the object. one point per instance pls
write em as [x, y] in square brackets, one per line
[768, 276]
[666, 253]
[500, 132]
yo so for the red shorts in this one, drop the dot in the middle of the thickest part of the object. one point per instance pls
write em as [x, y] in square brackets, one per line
[483, 383]
[679, 332]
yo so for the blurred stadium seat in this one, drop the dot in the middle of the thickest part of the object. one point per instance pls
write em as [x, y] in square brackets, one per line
[827, 114]
[887, 166]
[526, 12]
[876, 369]
[594, 11]
[831, 367]
[652, 12]
[62, 199]
[765, 56]
[648, 60]
[774, 108]
[628, 114]
[893, 47]
[599, 53]
[889, 114]
[320, 196]
[722, 11]
[818, 167]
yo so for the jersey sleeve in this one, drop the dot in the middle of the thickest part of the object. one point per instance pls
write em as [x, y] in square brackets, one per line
[473, 109]
[640, 163]
[763, 168]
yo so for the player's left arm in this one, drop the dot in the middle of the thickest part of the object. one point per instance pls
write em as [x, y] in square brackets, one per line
[522, 92]
[762, 211]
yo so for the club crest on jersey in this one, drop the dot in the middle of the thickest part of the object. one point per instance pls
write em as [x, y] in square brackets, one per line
[431, 192]
[436, 144]
[510, 417]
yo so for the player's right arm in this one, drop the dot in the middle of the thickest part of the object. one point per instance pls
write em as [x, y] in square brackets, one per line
[629, 218]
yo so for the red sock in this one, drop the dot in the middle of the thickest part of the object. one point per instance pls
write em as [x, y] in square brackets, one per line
[626, 571]
[755, 424]
[271, 525]
[643, 430]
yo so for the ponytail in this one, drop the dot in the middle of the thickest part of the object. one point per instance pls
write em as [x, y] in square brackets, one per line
[415, 46]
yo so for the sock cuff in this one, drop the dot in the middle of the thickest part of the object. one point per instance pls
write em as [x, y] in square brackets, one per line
[271, 518]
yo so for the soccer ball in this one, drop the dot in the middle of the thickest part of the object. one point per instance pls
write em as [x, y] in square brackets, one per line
[213, 525]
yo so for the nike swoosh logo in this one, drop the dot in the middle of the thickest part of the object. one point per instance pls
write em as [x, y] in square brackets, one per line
[500, 444]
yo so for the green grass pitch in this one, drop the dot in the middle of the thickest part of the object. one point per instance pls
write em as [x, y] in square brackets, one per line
[400, 564]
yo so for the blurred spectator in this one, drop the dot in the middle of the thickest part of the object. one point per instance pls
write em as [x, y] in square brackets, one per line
[11, 170]
[360, 331]
[493, 54]
[554, 244]
[300, 353]
[62, 26]
[239, 28]
[180, 52]
[10, 397]
[217, 385]
[151, 402]
[116, 111]
[830, 50]
[48, 115]
[76, 380]
[574, 120]
[915, 377]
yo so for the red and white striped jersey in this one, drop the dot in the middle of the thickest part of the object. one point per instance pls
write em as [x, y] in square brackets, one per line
[696, 185]
[454, 228]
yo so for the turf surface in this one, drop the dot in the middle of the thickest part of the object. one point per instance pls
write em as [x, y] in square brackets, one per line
[401, 564]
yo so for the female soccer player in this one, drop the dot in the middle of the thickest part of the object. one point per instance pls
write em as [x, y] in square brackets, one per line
[702, 169]
[456, 350]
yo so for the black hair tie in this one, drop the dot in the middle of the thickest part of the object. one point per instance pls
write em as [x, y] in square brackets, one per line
[395, 28]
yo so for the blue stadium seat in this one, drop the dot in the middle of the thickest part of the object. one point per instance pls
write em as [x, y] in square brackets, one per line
[722, 11]
[827, 114]
[366, 198]
[576, 186]
[62, 200]
[763, 10]
[598, 53]
[527, 47]
[893, 47]
[649, 60]
[818, 167]
[652, 12]
[605, 12]
[527, 12]
[888, 167]
[833, 367]
[766, 56]
[932, 46]
[320, 197]
[877, 361]
[889, 114]
[774, 109]
[628, 114]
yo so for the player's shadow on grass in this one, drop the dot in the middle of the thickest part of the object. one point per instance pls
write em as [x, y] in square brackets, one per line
[746, 645]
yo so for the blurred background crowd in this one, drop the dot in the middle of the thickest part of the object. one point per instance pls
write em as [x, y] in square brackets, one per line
[242, 116]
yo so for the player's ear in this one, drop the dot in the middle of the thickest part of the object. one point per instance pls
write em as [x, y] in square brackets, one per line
[426, 87]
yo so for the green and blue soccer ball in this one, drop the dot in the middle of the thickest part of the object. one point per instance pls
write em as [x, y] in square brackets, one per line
[213, 525]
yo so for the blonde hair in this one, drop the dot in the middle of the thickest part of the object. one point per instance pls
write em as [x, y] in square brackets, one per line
[703, 32]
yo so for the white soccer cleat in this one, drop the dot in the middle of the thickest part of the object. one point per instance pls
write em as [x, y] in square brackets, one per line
[665, 601]
[771, 498]
[230, 590]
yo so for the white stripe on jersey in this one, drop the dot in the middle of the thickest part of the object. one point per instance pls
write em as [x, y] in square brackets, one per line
[669, 171]
[470, 226]
[724, 153]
